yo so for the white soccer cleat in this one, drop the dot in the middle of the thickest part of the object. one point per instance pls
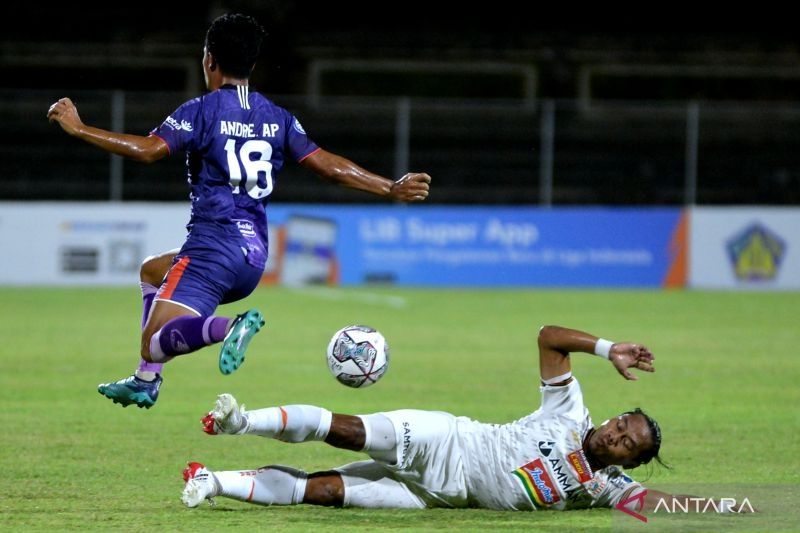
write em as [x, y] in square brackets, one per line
[226, 417]
[200, 485]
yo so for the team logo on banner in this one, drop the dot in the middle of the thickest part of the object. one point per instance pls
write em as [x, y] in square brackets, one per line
[756, 253]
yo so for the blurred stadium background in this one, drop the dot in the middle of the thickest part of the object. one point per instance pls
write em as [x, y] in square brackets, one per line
[498, 108]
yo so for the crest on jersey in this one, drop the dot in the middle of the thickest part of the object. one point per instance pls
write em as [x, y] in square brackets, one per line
[595, 486]
[299, 127]
[618, 478]
[546, 446]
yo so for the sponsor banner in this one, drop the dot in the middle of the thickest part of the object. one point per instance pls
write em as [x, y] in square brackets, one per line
[104, 243]
[745, 248]
[85, 243]
[465, 246]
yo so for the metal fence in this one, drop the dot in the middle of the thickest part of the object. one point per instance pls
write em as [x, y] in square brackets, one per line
[478, 151]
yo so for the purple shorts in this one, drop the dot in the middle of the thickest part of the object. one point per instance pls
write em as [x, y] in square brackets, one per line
[209, 270]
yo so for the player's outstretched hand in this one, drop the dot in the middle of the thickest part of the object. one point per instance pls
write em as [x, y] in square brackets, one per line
[413, 187]
[66, 114]
[626, 355]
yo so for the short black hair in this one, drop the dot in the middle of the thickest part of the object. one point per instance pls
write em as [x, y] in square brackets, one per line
[235, 42]
[647, 455]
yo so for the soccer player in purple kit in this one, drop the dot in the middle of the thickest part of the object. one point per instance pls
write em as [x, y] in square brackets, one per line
[236, 141]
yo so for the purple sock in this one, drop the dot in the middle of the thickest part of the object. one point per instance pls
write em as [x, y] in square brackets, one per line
[148, 295]
[187, 334]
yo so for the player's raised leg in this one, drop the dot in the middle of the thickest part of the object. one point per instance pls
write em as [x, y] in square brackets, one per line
[374, 434]
[174, 330]
[151, 274]
[207, 272]
[236, 341]
[290, 423]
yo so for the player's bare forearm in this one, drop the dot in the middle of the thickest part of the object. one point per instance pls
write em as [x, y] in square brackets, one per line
[136, 147]
[565, 340]
[344, 172]
[142, 149]
[556, 343]
[337, 169]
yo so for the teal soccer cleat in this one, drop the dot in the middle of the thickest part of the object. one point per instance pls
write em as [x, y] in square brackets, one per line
[231, 356]
[132, 390]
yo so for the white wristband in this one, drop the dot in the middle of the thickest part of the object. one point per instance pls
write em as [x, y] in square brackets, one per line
[603, 348]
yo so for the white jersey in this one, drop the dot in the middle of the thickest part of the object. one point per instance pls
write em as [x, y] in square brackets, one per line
[537, 462]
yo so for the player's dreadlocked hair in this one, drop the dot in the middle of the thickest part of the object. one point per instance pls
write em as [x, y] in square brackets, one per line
[655, 431]
[235, 42]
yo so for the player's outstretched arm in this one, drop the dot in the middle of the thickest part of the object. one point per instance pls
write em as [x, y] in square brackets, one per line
[143, 149]
[556, 343]
[412, 187]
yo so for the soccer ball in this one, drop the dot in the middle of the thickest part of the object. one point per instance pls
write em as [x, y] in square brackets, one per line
[358, 356]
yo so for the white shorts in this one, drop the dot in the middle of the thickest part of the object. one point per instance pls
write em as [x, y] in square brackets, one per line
[368, 484]
[429, 460]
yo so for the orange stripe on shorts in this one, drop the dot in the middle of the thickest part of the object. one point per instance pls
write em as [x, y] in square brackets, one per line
[284, 419]
[173, 278]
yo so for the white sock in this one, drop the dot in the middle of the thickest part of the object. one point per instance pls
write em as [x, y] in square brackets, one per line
[269, 485]
[290, 423]
[145, 375]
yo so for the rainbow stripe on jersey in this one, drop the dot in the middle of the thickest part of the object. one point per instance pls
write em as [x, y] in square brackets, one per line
[537, 483]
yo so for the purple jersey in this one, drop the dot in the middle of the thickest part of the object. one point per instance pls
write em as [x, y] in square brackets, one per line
[235, 143]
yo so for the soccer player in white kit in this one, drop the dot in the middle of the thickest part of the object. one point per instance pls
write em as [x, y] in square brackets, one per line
[553, 458]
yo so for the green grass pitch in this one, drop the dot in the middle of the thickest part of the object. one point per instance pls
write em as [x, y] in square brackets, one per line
[725, 392]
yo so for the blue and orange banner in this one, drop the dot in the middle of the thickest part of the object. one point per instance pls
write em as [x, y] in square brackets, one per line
[481, 246]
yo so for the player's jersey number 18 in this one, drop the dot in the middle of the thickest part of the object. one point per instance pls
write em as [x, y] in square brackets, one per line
[257, 181]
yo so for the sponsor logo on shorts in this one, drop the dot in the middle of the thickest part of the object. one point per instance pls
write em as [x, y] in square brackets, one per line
[537, 483]
[581, 466]
[406, 439]
[246, 228]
